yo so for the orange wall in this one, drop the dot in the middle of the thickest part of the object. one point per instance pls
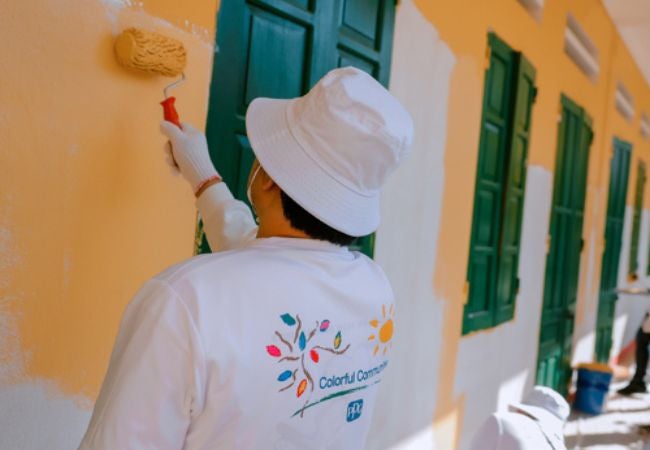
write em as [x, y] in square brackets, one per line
[89, 209]
[464, 25]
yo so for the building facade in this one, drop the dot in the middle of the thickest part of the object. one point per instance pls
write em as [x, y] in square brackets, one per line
[521, 210]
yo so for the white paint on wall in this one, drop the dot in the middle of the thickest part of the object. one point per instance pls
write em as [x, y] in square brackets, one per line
[35, 416]
[422, 440]
[583, 333]
[113, 10]
[584, 340]
[406, 242]
[508, 352]
[588, 289]
[584, 345]
[122, 14]
[625, 247]
[515, 384]
[644, 241]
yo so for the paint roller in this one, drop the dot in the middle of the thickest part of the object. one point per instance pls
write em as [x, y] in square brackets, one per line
[151, 52]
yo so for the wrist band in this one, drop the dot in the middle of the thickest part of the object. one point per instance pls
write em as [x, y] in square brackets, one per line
[206, 184]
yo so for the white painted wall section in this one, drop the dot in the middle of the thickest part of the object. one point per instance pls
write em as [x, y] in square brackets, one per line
[625, 247]
[584, 337]
[644, 241]
[497, 366]
[35, 416]
[406, 242]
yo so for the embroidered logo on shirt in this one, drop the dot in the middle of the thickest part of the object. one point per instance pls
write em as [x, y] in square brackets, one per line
[301, 347]
[354, 410]
[384, 332]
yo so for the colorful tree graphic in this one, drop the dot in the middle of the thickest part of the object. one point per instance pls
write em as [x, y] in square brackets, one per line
[298, 350]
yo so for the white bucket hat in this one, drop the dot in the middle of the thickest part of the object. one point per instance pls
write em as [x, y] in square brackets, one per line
[550, 410]
[332, 149]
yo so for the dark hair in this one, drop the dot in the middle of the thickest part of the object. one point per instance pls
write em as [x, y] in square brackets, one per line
[304, 221]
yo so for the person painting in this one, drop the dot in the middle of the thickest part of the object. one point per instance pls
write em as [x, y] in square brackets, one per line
[637, 384]
[279, 339]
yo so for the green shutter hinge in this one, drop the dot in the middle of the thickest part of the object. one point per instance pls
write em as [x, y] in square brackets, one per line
[535, 91]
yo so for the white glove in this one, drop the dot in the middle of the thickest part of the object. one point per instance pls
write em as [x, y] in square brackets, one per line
[189, 153]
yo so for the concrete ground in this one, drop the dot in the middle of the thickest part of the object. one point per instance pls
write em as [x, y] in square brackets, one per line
[624, 424]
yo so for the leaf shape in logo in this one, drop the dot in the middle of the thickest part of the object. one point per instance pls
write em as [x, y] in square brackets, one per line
[301, 388]
[288, 319]
[302, 340]
[273, 351]
[337, 340]
[324, 325]
[314, 355]
[285, 375]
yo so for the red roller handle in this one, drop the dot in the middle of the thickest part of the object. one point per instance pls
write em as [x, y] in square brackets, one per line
[169, 111]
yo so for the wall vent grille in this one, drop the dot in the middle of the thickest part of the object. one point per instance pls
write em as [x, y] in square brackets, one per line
[581, 48]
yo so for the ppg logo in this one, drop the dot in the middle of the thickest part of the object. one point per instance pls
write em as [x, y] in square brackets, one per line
[354, 410]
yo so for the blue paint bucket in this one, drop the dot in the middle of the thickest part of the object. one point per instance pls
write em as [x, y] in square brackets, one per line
[593, 385]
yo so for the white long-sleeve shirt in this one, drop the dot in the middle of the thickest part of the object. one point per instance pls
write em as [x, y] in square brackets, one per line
[227, 222]
[276, 343]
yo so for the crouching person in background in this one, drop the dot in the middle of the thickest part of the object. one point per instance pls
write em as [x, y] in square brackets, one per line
[534, 424]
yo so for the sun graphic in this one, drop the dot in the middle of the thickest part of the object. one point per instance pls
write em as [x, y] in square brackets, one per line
[384, 332]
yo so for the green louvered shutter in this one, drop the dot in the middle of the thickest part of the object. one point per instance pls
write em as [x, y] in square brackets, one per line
[636, 219]
[494, 143]
[508, 279]
[574, 140]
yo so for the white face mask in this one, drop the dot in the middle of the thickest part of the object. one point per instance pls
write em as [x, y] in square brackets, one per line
[248, 188]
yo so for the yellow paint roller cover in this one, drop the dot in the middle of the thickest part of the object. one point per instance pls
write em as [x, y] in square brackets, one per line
[150, 52]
